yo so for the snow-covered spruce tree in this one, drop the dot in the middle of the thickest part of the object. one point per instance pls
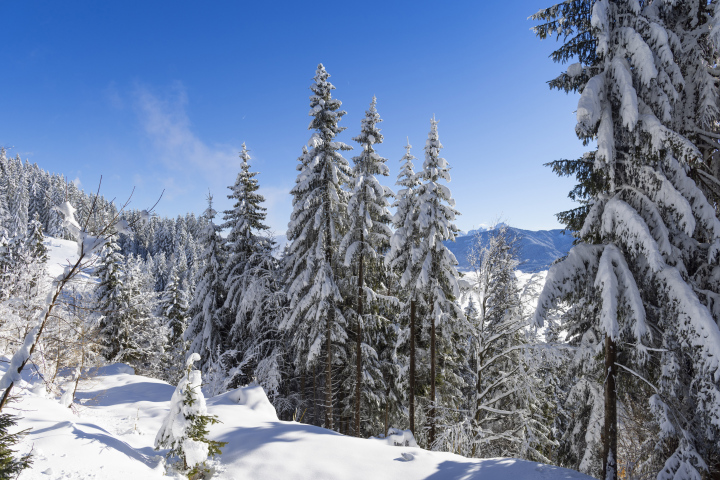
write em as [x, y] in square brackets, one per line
[174, 308]
[184, 431]
[443, 320]
[505, 405]
[208, 328]
[36, 240]
[137, 332]
[250, 266]
[107, 292]
[19, 201]
[262, 358]
[10, 464]
[364, 244]
[23, 288]
[314, 320]
[695, 30]
[401, 262]
[647, 232]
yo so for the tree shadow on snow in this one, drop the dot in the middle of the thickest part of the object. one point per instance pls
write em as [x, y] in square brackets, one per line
[114, 443]
[106, 440]
[491, 468]
[132, 393]
[247, 439]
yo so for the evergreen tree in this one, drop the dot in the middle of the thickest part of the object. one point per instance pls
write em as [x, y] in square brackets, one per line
[184, 431]
[647, 232]
[108, 293]
[142, 334]
[314, 320]
[208, 328]
[36, 240]
[400, 260]
[249, 247]
[10, 465]
[506, 399]
[364, 244]
[174, 312]
[443, 320]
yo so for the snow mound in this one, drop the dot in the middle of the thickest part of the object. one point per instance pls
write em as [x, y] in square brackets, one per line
[109, 434]
[114, 369]
[252, 397]
[398, 438]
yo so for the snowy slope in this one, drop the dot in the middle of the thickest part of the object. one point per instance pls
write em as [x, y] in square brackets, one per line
[111, 434]
[62, 253]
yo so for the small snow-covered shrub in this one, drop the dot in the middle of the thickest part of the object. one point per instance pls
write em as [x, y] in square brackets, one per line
[184, 431]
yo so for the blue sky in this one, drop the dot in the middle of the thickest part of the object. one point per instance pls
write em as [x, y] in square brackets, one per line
[160, 95]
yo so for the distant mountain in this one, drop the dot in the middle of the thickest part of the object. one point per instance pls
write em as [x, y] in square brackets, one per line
[538, 249]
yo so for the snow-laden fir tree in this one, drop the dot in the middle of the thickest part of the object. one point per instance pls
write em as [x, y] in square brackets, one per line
[174, 309]
[18, 200]
[208, 328]
[401, 263]
[638, 282]
[10, 464]
[108, 298]
[314, 321]
[262, 354]
[253, 300]
[694, 30]
[23, 286]
[135, 335]
[184, 430]
[443, 322]
[36, 240]
[364, 245]
[505, 404]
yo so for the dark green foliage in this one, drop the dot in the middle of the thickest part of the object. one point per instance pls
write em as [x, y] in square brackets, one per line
[10, 466]
[198, 431]
[591, 183]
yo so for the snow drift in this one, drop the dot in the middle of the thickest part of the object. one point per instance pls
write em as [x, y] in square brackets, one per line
[110, 434]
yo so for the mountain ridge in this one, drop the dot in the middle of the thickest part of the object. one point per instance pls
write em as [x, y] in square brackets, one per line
[538, 249]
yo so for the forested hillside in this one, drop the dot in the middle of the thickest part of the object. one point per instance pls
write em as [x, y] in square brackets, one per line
[363, 325]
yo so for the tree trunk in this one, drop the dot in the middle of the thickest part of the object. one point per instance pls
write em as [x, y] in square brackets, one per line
[412, 366]
[358, 334]
[315, 402]
[328, 334]
[610, 433]
[328, 372]
[387, 416]
[432, 383]
[302, 388]
[478, 402]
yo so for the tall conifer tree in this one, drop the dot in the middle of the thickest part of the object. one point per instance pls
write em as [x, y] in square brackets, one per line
[647, 231]
[319, 218]
[208, 328]
[401, 261]
[444, 321]
[364, 246]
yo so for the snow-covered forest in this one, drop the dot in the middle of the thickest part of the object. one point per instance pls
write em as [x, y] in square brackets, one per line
[607, 364]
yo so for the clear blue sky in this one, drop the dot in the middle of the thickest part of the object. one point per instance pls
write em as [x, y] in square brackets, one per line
[161, 94]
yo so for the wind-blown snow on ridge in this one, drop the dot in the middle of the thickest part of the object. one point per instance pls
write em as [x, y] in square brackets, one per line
[112, 433]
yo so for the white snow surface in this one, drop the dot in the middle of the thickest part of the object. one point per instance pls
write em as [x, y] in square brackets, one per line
[110, 435]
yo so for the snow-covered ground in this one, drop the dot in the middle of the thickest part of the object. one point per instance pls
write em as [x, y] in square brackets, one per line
[111, 433]
[61, 253]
